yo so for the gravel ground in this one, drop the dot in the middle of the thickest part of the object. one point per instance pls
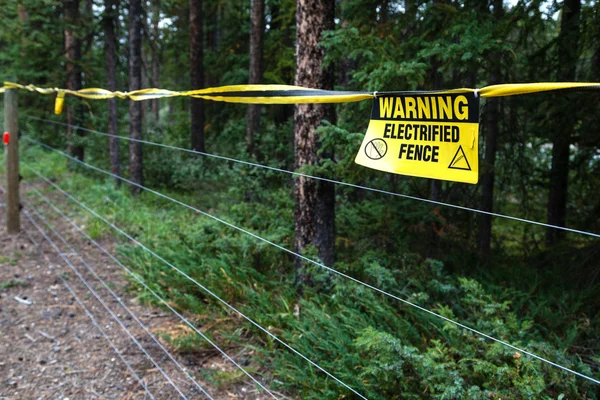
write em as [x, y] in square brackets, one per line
[49, 347]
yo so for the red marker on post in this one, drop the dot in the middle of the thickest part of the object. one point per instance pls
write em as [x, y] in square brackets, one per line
[6, 138]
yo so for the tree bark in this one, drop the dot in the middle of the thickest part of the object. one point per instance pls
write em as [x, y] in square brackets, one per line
[74, 79]
[212, 12]
[437, 80]
[491, 143]
[155, 103]
[135, 83]
[110, 55]
[314, 213]
[281, 113]
[257, 18]
[568, 42]
[196, 74]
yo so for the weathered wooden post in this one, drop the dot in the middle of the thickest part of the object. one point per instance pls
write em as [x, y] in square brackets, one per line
[11, 129]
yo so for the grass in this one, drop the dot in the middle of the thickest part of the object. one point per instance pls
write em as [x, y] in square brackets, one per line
[11, 260]
[339, 324]
[11, 284]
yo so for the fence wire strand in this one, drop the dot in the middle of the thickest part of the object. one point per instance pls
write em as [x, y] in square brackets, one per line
[404, 301]
[108, 309]
[145, 248]
[143, 283]
[105, 335]
[116, 297]
[92, 318]
[341, 183]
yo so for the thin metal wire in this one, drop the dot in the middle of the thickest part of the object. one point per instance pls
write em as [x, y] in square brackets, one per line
[104, 333]
[91, 317]
[405, 196]
[36, 244]
[305, 259]
[197, 283]
[101, 301]
[140, 323]
[141, 281]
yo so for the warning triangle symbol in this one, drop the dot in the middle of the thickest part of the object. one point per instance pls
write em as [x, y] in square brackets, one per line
[459, 161]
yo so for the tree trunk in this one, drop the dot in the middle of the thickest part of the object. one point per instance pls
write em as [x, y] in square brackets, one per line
[568, 41]
[155, 56]
[74, 78]
[491, 143]
[314, 213]
[110, 54]
[135, 83]
[197, 74]
[256, 68]
[212, 12]
[437, 80]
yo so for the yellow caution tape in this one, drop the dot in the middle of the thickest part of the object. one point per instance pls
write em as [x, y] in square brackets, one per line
[60, 101]
[512, 89]
[430, 134]
[287, 94]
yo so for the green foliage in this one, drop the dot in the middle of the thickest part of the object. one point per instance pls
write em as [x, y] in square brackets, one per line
[12, 283]
[538, 298]
[380, 347]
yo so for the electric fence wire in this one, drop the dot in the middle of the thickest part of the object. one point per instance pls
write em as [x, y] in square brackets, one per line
[91, 317]
[104, 334]
[374, 288]
[136, 319]
[101, 301]
[196, 282]
[405, 196]
[143, 283]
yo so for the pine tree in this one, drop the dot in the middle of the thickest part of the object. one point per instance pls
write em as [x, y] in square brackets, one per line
[257, 21]
[110, 54]
[197, 74]
[74, 78]
[491, 143]
[568, 40]
[314, 213]
[135, 83]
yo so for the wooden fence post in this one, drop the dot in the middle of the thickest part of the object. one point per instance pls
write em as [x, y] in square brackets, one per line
[11, 126]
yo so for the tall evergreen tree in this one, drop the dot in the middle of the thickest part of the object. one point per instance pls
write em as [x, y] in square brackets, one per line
[567, 47]
[135, 83]
[437, 83]
[491, 143]
[74, 76]
[110, 59]
[197, 74]
[155, 103]
[314, 214]
[257, 22]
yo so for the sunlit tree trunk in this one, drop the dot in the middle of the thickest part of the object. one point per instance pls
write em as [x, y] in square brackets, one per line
[565, 120]
[314, 213]
[135, 83]
[257, 18]
[110, 54]
[196, 74]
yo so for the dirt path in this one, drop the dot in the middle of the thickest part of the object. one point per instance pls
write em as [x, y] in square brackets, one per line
[49, 348]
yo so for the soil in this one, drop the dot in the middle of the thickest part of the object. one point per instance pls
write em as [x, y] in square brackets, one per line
[49, 347]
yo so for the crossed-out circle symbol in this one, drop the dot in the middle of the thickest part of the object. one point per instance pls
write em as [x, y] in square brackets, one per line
[376, 149]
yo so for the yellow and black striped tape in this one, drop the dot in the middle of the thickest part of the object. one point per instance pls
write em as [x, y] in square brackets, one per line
[287, 94]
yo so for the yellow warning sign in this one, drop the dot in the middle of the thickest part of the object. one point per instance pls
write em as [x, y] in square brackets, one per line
[425, 135]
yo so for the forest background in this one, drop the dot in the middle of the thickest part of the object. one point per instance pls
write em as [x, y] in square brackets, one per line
[540, 158]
